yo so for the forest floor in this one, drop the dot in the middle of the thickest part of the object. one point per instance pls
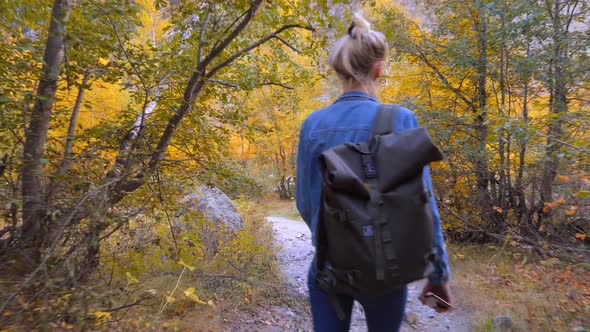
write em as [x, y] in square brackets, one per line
[487, 280]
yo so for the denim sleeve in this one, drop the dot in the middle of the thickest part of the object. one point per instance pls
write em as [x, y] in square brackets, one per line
[441, 271]
[441, 267]
[302, 185]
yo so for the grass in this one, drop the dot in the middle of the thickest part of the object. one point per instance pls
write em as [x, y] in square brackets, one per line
[538, 294]
[281, 208]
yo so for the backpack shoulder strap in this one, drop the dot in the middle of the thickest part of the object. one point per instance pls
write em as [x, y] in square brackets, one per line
[385, 119]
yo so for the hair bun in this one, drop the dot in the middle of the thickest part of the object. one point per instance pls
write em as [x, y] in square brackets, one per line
[359, 27]
[354, 55]
[352, 25]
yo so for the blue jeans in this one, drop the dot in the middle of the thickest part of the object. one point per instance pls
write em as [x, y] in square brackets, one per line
[383, 312]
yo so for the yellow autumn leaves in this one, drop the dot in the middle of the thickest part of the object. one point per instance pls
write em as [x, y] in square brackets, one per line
[190, 294]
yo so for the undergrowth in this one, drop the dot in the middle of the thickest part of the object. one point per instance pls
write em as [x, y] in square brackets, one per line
[199, 279]
[159, 271]
[539, 294]
[196, 293]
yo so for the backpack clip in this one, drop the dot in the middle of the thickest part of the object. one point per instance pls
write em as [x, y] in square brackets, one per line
[368, 166]
[366, 150]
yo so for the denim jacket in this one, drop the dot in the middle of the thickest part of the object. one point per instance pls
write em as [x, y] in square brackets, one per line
[350, 119]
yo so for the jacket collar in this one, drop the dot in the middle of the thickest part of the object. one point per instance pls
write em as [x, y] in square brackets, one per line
[355, 95]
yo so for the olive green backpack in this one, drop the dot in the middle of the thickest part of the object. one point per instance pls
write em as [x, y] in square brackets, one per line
[375, 222]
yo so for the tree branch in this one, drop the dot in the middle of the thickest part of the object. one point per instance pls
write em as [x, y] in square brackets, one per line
[72, 218]
[470, 227]
[126, 54]
[130, 304]
[237, 86]
[582, 150]
[202, 34]
[420, 54]
[66, 159]
[253, 46]
[287, 43]
[282, 85]
[193, 88]
[224, 83]
[247, 17]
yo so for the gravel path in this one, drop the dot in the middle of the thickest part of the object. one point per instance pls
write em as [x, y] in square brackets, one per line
[295, 254]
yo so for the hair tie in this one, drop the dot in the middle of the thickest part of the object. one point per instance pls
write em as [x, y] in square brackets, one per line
[352, 25]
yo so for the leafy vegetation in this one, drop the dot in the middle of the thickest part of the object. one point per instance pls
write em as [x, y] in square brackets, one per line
[484, 78]
[112, 111]
[539, 294]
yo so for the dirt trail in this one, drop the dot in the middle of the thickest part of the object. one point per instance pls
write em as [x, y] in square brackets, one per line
[295, 254]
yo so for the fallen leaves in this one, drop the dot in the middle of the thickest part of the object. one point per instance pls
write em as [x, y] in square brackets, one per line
[530, 290]
[563, 178]
[190, 293]
[102, 314]
[552, 205]
[572, 210]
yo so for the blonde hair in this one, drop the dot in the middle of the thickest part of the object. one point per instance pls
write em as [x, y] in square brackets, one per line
[353, 56]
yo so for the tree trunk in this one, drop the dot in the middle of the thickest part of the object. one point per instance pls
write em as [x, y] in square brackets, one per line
[65, 163]
[522, 215]
[503, 134]
[481, 163]
[34, 210]
[558, 102]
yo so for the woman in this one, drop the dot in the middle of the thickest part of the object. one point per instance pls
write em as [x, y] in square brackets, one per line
[358, 59]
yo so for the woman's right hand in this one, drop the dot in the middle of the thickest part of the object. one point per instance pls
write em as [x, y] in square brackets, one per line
[443, 292]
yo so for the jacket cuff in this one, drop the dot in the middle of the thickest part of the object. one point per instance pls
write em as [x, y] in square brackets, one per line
[440, 273]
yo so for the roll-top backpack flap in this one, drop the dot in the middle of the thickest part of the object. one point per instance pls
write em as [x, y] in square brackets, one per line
[341, 169]
[401, 156]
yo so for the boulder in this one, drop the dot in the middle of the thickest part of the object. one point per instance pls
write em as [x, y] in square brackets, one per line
[215, 205]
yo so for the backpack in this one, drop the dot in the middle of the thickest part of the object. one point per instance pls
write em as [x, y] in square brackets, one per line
[374, 229]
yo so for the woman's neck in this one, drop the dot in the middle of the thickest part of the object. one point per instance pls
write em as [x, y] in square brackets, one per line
[356, 86]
